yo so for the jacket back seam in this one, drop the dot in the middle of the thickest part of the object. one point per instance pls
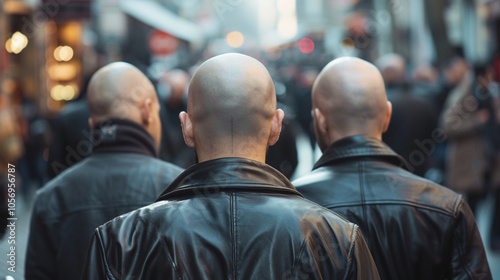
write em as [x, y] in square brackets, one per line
[233, 232]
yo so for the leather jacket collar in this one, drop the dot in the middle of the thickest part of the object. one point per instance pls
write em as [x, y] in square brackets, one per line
[123, 136]
[359, 146]
[228, 174]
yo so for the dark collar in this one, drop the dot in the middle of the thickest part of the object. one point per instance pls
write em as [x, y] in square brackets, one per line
[123, 136]
[359, 146]
[223, 174]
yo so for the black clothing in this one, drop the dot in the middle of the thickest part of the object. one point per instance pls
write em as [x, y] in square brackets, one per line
[283, 154]
[173, 148]
[121, 175]
[71, 139]
[410, 133]
[415, 229]
[229, 218]
[123, 136]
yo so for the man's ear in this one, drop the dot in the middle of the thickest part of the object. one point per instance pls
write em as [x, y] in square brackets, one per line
[91, 123]
[320, 120]
[187, 129]
[388, 115]
[276, 125]
[147, 112]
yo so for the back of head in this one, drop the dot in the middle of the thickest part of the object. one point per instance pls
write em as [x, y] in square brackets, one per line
[349, 99]
[393, 67]
[231, 106]
[120, 90]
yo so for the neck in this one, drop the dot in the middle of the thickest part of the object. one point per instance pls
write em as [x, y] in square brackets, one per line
[256, 156]
[334, 137]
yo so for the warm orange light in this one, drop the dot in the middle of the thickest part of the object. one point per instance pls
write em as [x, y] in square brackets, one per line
[62, 71]
[235, 39]
[63, 53]
[8, 45]
[60, 92]
[16, 43]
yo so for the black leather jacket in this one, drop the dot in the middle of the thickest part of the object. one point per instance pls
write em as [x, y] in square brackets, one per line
[121, 175]
[415, 229]
[229, 218]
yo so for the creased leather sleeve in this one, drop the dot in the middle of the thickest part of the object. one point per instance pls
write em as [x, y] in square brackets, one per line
[362, 264]
[96, 266]
[468, 257]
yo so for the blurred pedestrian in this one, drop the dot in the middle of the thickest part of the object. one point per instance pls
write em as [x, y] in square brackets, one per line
[173, 86]
[472, 129]
[122, 174]
[71, 140]
[414, 228]
[472, 122]
[413, 120]
[231, 216]
[283, 154]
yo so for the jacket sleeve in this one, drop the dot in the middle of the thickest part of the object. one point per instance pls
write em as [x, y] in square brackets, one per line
[362, 264]
[96, 266]
[468, 260]
[41, 252]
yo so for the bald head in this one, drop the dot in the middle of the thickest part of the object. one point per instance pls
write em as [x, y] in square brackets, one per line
[120, 90]
[349, 99]
[115, 88]
[232, 106]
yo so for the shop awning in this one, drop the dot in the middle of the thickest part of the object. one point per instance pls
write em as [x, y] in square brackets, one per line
[161, 18]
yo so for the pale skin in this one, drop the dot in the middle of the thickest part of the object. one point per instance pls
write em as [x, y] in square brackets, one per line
[120, 90]
[231, 109]
[349, 99]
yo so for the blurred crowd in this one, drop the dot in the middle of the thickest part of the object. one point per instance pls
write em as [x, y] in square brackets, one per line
[445, 115]
[445, 124]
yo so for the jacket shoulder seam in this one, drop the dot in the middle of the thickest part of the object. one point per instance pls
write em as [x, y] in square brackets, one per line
[395, 202]
[458, 202]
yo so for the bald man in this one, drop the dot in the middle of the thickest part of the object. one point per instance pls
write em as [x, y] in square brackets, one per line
[121, 174]
[415, 229]
[230, 216]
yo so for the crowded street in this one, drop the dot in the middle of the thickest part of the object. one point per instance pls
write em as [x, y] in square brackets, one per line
[249, 139]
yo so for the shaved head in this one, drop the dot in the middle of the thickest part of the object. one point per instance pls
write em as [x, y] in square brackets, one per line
[120, 90]
[232, 106]
[116, 87]
[349, 99]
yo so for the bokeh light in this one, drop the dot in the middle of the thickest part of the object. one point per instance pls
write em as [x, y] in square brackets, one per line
[60, 92]
[235, 39]
[63, 53]
[16, 43]
[306, 45]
